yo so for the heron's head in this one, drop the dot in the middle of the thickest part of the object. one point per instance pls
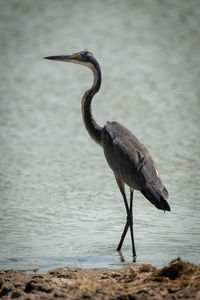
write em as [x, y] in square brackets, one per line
[84, 58]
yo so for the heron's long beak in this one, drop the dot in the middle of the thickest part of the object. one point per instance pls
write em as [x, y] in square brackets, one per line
[75, 58]
[67, 58]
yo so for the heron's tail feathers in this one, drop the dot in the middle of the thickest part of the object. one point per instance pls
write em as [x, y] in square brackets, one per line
[156, 196]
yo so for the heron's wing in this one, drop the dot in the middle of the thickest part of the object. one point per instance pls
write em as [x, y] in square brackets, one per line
[126, 155]
[131, 162]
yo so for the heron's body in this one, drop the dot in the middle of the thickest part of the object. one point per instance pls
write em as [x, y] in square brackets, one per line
[128, 158]
[132, 164]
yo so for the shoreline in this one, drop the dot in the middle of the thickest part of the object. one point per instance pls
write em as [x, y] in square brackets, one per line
[178, 280]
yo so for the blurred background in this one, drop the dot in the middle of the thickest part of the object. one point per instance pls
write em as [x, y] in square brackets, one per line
[59, 203]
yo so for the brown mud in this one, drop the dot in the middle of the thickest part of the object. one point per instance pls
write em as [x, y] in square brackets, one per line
[179, 280]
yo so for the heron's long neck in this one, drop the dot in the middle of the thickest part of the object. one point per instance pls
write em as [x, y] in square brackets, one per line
[92, 127]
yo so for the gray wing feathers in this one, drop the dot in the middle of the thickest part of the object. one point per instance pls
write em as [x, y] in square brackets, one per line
[130, 159]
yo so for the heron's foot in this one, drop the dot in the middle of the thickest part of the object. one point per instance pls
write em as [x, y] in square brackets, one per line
[121, 256]
[134, 258]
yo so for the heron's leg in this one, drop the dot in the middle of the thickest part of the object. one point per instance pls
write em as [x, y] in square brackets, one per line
[126, 226]
[123, 236]
[131, 223]
[129, 215]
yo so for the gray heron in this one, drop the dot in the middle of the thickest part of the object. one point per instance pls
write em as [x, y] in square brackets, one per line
[128, 158]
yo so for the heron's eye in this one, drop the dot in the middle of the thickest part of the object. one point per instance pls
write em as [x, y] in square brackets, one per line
[76, 56]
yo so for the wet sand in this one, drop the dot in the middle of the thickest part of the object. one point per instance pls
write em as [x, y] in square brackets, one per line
[178, 280]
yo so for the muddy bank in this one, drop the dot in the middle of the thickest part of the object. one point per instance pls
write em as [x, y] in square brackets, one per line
[179, 280]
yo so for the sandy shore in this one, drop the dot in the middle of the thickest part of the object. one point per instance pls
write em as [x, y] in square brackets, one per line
[179, 280]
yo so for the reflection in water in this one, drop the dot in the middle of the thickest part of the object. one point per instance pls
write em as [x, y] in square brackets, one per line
[59, 202]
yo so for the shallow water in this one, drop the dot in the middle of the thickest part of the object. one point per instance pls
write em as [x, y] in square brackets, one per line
[59, 201]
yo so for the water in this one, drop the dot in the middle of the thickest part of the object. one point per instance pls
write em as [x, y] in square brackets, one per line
[59, 201]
